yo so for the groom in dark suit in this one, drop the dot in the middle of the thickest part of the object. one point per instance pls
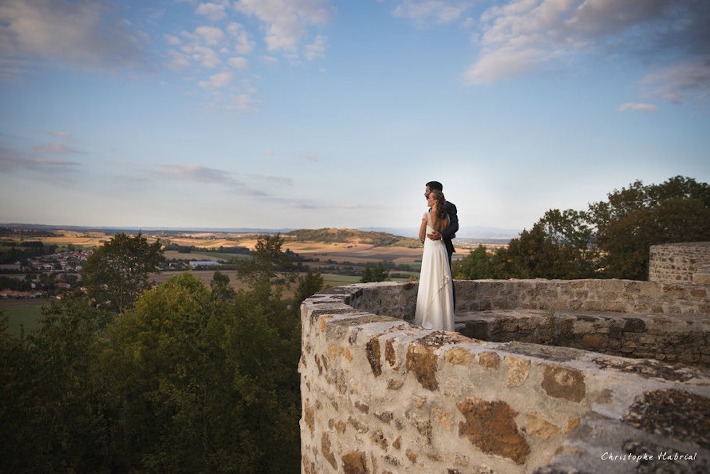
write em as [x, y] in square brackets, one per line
[453, 227]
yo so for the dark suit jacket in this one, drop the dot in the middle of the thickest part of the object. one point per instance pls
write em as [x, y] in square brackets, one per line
[450, 231]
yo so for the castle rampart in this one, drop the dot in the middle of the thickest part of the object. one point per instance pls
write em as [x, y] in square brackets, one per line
[381, 395]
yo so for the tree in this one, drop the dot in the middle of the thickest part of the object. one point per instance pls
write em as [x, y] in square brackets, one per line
[51, 418]
[611, 239]
[378, 273]
[118, 271]
[267, 259]
[220, 286]
[477, 265]
[639, 216]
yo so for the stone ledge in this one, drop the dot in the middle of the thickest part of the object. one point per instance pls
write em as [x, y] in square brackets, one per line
[684, 339]
[382, 395]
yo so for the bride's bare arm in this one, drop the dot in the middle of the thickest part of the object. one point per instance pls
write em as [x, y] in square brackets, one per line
[422, 229]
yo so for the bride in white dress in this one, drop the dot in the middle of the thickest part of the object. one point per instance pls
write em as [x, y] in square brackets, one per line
[435, 298]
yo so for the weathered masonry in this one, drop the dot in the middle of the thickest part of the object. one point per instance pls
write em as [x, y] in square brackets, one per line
[629, 393]
[686, 262]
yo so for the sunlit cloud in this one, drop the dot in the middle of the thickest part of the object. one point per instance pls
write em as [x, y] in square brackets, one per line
[57, 149]
[238, 63]
[316, 48]
[273, 180]
[524, 36]
[678, 82]
[210, 35]
[83, 35]
[218, 81]
[286, 24]
[637, 107]
[243, 44]
[438, 11]
[197, 173]
[11, 161]
[213, 11]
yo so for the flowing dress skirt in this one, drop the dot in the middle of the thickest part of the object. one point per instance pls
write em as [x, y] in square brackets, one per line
[435, 297]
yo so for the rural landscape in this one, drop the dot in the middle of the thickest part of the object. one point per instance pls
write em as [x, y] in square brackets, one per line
[178, 351]
[42, 262]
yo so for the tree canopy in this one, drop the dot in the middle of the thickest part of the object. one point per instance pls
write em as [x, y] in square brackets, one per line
[118, 271]
[190, 378]
[611, 239]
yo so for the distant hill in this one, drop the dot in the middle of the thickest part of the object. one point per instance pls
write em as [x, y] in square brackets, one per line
[380, 236]
[469, 233]
[329, 235]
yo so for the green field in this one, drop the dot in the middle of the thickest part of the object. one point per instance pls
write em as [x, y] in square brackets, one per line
[22, 314]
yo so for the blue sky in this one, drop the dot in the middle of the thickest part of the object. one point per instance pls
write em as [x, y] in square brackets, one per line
[316, 113]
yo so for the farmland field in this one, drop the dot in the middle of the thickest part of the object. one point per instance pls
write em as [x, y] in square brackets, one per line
[339, 255]
[22, 314]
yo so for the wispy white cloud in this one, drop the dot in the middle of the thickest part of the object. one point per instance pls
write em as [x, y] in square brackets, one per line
[218, 81]
[670, 36]
[12, 161]
[57, 149]
[243, 44]
[211, 10]
[273, 180]
[238, 63]
[438, 11]
[676, 82]
[197, 173]
[286, 23]
[637, 107]
[87, 35]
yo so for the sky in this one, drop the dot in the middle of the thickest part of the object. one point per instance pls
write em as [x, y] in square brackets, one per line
[286, 114]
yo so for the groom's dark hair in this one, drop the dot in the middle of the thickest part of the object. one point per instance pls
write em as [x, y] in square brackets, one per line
[435, 185]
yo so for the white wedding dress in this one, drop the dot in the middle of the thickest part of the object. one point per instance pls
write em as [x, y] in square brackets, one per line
[435, 297]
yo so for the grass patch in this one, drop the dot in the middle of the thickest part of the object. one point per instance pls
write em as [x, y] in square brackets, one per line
[22, 314]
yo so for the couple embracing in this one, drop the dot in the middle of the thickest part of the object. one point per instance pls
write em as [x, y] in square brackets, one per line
[435, 297]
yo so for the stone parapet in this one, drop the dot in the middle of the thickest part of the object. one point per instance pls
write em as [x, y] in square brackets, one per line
[380, 395]
[687, 262]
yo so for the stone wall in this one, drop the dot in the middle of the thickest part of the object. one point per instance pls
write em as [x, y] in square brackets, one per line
[381, 395]
[682, 262]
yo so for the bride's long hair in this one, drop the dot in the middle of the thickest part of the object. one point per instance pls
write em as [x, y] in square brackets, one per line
[441, 216]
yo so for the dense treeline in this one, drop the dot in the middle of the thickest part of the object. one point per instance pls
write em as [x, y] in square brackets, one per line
[611, 239]
[185, 378]
[11, 252]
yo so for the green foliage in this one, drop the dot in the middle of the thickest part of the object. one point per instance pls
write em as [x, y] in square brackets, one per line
[190, 379]
[639, 216]
[267, 260]
[51, 418]
[612, 239]
[477, 265]
[117, 272]
[376, 273]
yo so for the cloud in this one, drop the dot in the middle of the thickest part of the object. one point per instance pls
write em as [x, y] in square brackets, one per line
[85, 35]
[440, 11]
[523, 36]
[217, 81]
[197, 173]
[316, 48]
[238, 63]
[210, 35]
[12, 161]
[637, 107]
[286, 23]
[213, 11]
[57, 149]
[243, 44]
[676, 82]
[275, 180]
